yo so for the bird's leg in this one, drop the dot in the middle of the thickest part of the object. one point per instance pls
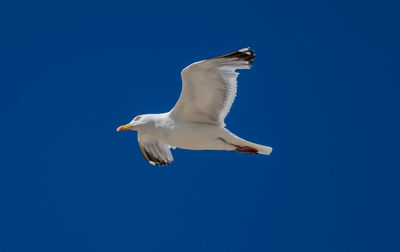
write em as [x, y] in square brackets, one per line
[244, 149]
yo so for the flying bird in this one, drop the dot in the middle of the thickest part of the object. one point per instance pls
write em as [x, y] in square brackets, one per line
[197, 120]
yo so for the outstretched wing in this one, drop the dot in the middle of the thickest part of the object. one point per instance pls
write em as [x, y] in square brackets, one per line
[154, 151]
[209, 88]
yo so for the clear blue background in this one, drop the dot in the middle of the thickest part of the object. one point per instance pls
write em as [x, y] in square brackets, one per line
[324, 92]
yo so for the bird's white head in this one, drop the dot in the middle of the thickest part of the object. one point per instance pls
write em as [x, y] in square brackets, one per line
[137, 123]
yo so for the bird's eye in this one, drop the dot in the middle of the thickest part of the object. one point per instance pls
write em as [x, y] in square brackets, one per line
[137, 118]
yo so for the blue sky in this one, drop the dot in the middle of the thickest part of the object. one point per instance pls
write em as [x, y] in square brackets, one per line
[324, 93]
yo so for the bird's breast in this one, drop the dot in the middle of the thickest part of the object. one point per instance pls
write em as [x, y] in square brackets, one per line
[192, 136]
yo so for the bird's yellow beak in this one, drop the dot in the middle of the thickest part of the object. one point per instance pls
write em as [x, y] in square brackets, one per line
[123, 127]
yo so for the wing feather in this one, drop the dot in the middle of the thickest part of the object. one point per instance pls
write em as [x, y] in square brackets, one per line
[154, 150]
[209, 88]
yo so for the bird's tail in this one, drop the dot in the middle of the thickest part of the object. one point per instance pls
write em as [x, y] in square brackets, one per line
[253, 148]
[247, 146]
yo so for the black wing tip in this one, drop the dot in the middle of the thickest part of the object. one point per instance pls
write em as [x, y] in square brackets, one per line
[243, 54]
[153, 160]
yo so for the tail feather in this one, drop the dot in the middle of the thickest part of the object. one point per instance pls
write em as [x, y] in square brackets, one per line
[261, 149]
[266, 150]
[245, 146]
[249, 147]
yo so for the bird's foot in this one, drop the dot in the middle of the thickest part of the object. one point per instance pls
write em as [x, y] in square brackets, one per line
[246, 149]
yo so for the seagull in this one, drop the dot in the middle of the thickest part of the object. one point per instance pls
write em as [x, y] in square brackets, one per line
[197, 120]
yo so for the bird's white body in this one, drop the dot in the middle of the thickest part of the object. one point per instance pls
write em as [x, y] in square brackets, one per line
[196, 136]
[197, 120]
